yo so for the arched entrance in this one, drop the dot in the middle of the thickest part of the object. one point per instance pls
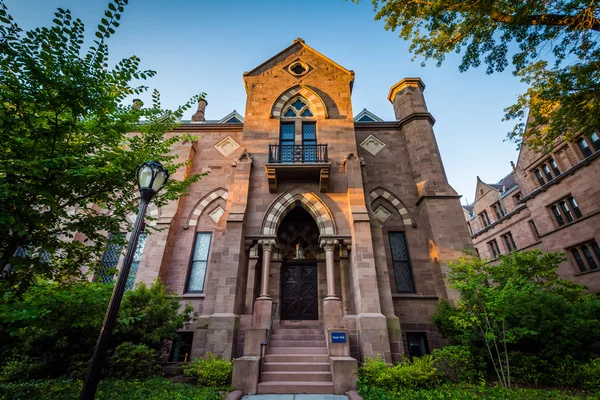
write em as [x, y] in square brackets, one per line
[298, 236]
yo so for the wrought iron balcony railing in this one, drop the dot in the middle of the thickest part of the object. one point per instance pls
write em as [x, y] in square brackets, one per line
[297, 153]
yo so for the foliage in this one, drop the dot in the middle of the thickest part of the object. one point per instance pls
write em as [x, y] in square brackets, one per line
[211, 371]
[471, 392]
[588, 374]
[532, 324]
[51, 330]
[68, 151]
[371, 370]
[133, 361]
[458, 364]
[564, 95]
[151, 389]
[415, 373]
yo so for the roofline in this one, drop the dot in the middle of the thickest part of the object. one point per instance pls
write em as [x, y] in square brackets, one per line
[303, 44]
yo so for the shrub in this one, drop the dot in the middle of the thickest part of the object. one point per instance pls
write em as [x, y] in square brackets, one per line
[458, 364]
[212, 371]
[54, 326]
[420, 372]
[133, 361]
[21, 369]
[588, 374]
[371, 370]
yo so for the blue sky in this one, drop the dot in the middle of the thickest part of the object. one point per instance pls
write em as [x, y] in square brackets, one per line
[205, 46]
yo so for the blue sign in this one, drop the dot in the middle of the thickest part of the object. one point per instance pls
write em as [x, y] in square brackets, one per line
[338, 337]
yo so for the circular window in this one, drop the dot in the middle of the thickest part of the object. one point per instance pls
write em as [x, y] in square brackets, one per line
[298, 68]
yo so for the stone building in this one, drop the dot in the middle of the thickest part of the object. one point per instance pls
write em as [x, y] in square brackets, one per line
[549, 201]
[338, 226]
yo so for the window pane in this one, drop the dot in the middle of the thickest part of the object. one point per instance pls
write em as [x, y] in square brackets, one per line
[110, 259]
[401, 262]
[554, 167]
[558, 216]
[309, 131]
[512, 241]
[588, 256]
[199, 262]
[585, 149]
[497, 211]
[182, 348]
[417, 344]
[289, 113]
[287, 131]
[566, 211]
[596, 249]
[539, 176]
[299, 104]
[595, 141]
[547, 172]
[306, 113]
[137, 257]
[575, 207]
[578, 259]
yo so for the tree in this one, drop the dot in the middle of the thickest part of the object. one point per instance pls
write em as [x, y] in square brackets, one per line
[68, 155]
[520, 307]
[557, 53]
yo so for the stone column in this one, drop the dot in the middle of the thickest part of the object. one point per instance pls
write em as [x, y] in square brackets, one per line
[261, 317]
[332, 305]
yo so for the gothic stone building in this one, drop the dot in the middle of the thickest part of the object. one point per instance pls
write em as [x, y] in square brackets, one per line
[549, 201]
[346, 223]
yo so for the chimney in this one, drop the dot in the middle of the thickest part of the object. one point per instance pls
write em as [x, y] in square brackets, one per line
[199, 114]
[512, 164]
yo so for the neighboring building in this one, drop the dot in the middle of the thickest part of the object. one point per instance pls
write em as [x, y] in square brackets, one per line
[346, 222]
[549, 201]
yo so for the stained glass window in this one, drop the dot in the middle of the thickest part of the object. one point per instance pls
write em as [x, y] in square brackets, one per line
[289, 113]
[137, 257]
[199, 263]
[110, 259]
[401, 261]
[298, 104]
[306, 113]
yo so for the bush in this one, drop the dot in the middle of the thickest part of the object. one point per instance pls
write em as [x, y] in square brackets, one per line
[458, 364]
[212, 371]
[420, 372]
[588, 374]
[50, 331]
[151, 389]
[133, 361]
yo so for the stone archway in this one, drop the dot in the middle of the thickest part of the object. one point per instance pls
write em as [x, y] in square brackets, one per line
[302, 198]
[310, 95]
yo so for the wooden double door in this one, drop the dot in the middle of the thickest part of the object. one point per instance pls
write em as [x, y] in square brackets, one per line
[299, 295]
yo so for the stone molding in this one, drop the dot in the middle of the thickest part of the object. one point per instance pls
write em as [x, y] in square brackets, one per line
[328, 244]
[267, 244]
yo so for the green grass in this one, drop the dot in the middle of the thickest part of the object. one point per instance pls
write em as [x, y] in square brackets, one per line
[151, 389]
[452, 392]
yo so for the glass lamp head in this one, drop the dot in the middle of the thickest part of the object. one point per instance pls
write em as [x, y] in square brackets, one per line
[151, 178]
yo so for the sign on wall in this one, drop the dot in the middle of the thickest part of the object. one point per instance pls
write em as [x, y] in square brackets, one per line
[338, 337]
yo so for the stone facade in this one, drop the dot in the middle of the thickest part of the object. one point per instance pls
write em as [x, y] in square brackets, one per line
[365, 208]
[549, 201]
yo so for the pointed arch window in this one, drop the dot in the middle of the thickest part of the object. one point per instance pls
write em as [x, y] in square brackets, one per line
[298, 108]
[298, 134]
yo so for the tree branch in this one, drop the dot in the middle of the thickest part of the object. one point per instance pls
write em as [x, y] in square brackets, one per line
[577, 21]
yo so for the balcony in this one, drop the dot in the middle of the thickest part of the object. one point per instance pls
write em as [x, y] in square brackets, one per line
[298, 163]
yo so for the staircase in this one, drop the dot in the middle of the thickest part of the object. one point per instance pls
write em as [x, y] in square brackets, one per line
[296, 361]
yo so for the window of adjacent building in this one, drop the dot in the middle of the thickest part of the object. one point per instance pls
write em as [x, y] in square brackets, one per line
[509, 241]
[586, 256]
[547, 172]
[566, 210]
[554, 167]
[539, 176]
[595, 141]
[498, 210]
[137, 257]
[182, 347]
[199, 263]
[534, 229]
[494, 248]
[110, 259]
[401, 262]
[517, 197]
[484, 219]
[585, 148]
[417, 344]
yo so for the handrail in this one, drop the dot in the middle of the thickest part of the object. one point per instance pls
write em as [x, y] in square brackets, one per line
[266, 342]
[298, 153]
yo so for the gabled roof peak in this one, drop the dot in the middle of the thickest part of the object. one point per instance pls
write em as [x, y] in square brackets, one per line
[367, 116]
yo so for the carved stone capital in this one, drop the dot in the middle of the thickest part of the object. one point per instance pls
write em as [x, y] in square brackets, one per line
[267, 244]
[329, 244]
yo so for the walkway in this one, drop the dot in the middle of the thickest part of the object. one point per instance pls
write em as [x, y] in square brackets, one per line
[295, 397]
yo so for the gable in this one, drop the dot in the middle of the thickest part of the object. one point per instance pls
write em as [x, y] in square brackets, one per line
[367, 116]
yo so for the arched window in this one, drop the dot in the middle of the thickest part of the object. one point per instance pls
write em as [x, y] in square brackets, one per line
[298, 138]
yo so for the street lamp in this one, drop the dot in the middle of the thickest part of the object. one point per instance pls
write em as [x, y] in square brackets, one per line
[151, 177]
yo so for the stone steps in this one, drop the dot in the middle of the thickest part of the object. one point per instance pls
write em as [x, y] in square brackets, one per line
[296, 361]
[296, 366]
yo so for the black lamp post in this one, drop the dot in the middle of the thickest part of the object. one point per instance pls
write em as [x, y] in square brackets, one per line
[151, 177]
